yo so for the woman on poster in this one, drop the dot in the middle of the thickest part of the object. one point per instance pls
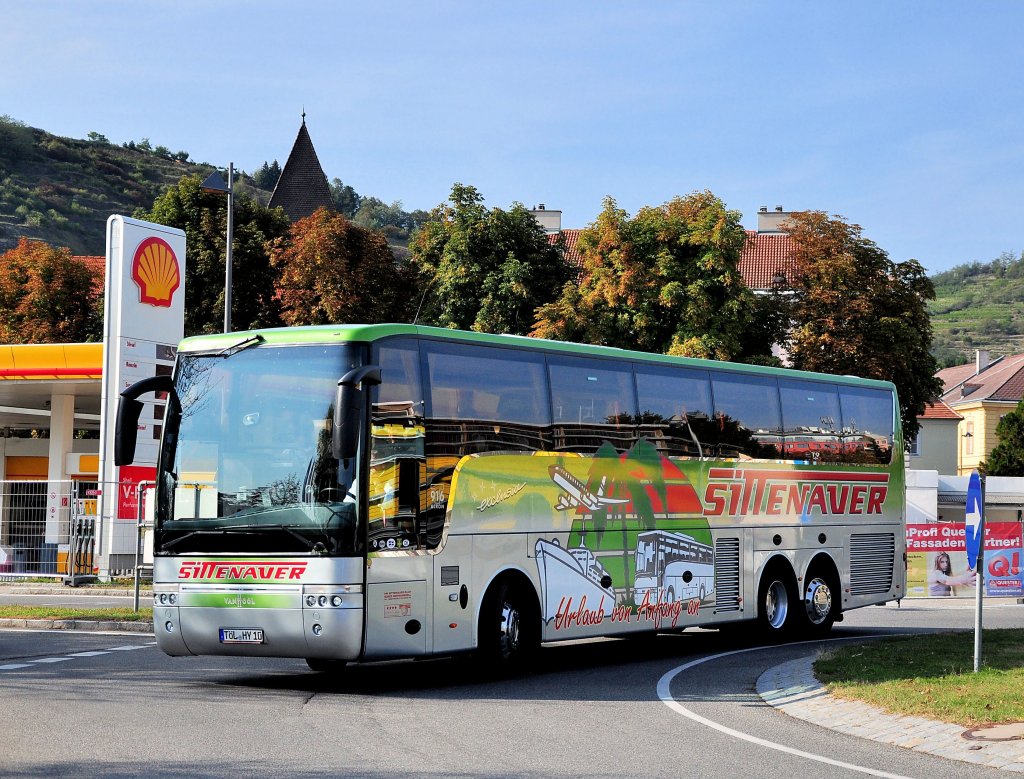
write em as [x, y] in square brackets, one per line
[942, 580]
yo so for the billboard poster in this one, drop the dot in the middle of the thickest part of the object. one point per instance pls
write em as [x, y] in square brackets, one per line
[937, 560]
[1003, 548]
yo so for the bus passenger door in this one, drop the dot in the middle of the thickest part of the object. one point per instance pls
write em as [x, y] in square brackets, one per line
[454, 600]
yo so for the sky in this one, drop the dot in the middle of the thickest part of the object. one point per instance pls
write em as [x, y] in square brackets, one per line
[902, 117]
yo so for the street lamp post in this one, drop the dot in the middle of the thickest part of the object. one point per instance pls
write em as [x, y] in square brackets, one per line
[215, 183]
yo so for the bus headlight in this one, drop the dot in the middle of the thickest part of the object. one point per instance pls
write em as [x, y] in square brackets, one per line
[322, 600]
[311, 600]
[335, 600]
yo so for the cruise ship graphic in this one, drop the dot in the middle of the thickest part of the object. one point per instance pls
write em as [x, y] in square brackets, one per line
[575, 573]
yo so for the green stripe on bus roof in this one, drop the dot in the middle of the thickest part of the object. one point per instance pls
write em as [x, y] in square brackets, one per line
[325, 334]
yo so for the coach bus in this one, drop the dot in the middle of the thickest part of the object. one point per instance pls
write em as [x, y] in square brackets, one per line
[363, 492]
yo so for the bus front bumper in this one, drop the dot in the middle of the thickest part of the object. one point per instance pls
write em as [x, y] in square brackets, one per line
[229, 622]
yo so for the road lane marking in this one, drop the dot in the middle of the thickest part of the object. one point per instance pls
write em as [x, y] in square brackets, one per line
[665, 693]
[70, 655]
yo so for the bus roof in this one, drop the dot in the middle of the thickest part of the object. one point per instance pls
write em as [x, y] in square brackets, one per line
[325, 334]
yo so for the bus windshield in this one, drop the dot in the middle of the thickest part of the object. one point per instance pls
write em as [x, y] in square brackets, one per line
[246, 465]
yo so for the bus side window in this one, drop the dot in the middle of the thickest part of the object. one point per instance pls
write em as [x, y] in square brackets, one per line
[675, 409]
[811, 421]
[592, 402]
[747, 421]
[484, 399]
[868, 421]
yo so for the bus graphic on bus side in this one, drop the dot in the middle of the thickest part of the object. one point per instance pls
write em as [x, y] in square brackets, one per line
[672, 567]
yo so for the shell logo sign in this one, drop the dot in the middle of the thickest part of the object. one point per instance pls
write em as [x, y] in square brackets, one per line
[156, 271]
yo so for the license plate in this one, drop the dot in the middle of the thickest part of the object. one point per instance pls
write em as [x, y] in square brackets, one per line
[241, 635]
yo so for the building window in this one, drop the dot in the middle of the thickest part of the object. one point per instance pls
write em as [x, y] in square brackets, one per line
[968, 438]
[914, 446]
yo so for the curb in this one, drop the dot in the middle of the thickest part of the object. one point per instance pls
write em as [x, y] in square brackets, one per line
[793, 689]
[93, 625]
[48, 589]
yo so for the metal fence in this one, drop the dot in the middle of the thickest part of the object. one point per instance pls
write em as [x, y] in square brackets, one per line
[49, 529]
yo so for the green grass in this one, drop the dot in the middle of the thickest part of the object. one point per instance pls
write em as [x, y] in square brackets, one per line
[932, 676]
[120, 614]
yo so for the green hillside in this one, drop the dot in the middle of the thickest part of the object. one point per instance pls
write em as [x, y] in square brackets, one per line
[979, 306]
[62, 190]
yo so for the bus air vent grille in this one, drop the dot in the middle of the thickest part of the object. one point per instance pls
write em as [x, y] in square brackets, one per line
[727, 574]
[872, 556]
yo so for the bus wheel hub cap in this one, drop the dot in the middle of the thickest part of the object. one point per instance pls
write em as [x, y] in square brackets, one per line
[818, 601]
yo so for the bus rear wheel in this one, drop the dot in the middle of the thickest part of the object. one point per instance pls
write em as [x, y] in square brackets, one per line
[776, 605]
[818, 606]
[509, 633]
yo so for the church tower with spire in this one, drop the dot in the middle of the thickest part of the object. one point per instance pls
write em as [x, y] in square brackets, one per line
[302, 187]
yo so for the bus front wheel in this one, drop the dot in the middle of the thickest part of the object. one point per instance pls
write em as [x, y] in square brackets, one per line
[509, 628]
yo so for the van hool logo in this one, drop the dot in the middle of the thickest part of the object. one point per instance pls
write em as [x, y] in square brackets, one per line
[240, 570]
[156, 271]
[737, 491]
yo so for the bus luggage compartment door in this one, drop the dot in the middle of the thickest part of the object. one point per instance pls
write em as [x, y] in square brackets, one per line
[396, 619]
[454, 598]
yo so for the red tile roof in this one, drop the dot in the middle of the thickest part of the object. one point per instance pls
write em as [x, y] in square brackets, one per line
[764, 255]
[1002, 379]
[572, 253]
[939, 410]
[955, 375]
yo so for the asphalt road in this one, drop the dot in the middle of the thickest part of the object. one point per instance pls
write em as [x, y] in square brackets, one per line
[114, 706]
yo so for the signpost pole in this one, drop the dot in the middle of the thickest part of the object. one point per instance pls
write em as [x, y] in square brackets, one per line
[979, 569]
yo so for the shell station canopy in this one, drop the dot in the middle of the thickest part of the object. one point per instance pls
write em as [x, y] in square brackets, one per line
[32, 374]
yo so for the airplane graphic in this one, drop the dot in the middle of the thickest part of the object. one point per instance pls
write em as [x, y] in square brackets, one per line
[576, 494]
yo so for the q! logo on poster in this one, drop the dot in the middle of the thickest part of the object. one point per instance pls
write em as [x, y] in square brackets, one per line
[156, 272]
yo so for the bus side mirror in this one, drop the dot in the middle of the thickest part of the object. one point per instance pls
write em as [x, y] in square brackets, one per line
[126, 429]
[348, 410]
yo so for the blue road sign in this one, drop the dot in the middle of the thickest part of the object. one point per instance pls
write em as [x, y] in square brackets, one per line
[973, 520]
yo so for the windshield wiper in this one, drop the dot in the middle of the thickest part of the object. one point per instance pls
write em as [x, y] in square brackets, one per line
[245, 343]
[246, 531]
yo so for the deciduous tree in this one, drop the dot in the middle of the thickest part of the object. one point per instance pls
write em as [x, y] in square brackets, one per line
[858, 312]
[1007, 459]
[485, 269]
[47, 296]
[663, 281]
[333, 271]
[203, 217]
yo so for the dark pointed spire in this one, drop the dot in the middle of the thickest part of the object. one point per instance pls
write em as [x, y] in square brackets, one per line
[302, 187]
